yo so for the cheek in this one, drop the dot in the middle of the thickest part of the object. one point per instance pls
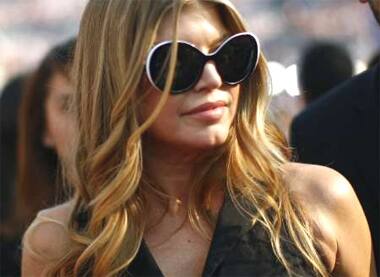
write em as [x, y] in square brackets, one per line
[172, 128]
[167, 118]
[58, 124]
[61, 128]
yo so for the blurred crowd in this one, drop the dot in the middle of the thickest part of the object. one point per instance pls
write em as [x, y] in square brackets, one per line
[36, 51]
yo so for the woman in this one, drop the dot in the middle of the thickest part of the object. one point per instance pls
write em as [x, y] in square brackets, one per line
[46, 128]
[182, 174]
[44, 131]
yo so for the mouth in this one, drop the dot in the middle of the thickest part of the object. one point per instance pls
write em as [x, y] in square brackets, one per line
[206, 107]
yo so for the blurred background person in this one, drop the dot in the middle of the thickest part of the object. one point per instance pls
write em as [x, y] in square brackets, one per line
[46, 129]
[341, 131]
[323, 65]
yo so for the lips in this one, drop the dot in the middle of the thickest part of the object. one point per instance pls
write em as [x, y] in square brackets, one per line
[206, 107]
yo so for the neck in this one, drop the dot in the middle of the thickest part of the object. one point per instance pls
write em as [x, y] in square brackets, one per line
[171, 169]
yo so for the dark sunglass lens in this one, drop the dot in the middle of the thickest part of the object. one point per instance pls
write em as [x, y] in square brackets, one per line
[188, 66]
[236, 59]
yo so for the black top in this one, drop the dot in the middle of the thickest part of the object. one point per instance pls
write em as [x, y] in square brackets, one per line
[341, 130]
[237, 249]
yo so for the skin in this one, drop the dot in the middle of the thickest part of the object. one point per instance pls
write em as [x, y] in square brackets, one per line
[59, 122]
[328, 198]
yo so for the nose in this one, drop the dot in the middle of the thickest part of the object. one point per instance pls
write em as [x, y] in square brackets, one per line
[210, 78]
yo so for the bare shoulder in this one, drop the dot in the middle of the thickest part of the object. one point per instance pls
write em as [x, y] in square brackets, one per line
[47, 236]
[318, 185]
[60, 212]
[336, 214]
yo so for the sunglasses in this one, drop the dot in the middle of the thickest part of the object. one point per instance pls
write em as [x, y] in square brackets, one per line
[235, 59]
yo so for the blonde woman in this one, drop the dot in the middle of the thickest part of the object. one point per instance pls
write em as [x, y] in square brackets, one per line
[180, 173]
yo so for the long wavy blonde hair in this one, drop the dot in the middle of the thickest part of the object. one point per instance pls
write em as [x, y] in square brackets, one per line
[114, 38]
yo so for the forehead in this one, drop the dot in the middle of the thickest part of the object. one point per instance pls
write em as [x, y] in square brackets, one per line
[200, 25]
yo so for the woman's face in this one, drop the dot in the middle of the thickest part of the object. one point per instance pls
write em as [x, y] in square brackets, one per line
[179, 124]
[59, 122]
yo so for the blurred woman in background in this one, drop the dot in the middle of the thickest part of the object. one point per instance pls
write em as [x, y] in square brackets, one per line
[45, 130]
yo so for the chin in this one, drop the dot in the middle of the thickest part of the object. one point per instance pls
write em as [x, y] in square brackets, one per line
[192, 139]
[206, 141]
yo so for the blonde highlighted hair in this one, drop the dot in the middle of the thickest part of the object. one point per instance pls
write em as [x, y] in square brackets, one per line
[114, 38]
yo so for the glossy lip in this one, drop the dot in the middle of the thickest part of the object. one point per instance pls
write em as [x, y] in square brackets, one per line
[206, 107]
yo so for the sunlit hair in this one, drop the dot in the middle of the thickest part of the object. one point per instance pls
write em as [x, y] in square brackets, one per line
[114, 38]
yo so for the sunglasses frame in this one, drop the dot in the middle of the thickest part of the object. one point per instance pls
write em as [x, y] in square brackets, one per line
[207, 57]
